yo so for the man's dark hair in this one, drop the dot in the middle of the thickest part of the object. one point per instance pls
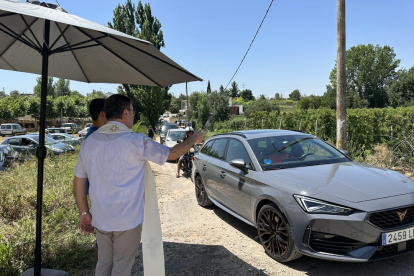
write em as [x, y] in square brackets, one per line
[96, 107]
[115, 106]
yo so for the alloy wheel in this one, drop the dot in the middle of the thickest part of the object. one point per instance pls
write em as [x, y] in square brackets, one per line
[273, 233]
[200, 190]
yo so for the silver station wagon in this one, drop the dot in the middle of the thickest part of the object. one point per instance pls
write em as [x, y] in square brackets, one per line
[305, 196]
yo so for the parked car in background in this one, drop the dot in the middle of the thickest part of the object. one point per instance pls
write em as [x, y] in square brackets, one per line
[12, 129]
[305, 196]
[88, 125]
[56, 130]
[164, 128]
[26, 145]
[7, 157]
[173, 136]
[67, 139]
[83, 132]
[69, 127]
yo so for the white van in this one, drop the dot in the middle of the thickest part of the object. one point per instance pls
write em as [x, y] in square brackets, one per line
[12, 129]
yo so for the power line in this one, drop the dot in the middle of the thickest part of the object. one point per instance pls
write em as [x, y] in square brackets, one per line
[250, 44]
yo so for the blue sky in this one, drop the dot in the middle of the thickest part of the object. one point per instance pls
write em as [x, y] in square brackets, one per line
[295, 48]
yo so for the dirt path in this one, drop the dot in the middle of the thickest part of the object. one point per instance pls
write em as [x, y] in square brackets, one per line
[208, 241]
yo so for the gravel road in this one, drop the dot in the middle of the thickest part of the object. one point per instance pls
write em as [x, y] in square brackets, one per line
[208, 241]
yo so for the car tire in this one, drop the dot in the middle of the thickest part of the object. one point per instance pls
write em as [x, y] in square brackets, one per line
[275, 234]
[201, 193]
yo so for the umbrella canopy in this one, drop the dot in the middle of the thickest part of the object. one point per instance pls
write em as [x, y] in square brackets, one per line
[48, 41]
[80, 49]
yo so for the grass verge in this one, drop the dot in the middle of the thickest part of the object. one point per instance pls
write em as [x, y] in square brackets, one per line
[64, 247]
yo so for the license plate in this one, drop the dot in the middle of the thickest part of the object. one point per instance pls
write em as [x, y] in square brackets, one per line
[398, 236]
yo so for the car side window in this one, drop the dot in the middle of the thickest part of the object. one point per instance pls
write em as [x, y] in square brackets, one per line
[14, 127]
[207, 147]
[13, 141]
[236, 150]
[218, 148]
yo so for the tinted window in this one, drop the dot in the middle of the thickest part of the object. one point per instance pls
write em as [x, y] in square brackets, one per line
[218, 148]
[58, 137]
[207, 147]
[176, 135]
[14, 141]
[293, 151]
[3, 126]
[236, 150]
[167, 127]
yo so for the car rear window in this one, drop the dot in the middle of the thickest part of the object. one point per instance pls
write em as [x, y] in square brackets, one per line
[167, 127]
[66, 125]
[176, 135]
[6, 127]
[217, 150]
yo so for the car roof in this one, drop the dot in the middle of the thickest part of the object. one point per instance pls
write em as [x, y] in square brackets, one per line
[23, 136]
[176, 129]
[259, 133]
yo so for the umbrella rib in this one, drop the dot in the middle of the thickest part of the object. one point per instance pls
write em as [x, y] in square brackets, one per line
[8, 63]
[63, 47]
[7, 14]
[57, 39]
[30, 29]
[19, 39]
[118, 56]
[77, 61]
[73, 49]
[172, 65]
[16, 38]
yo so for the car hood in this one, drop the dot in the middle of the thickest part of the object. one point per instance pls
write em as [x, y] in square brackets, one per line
[59, 145]
[350, 181]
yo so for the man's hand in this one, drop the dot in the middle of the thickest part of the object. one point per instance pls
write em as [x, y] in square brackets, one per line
[182, 148]
[85, 223]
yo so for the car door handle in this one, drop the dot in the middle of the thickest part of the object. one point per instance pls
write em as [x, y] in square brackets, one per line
[204, 167]
[222, 174]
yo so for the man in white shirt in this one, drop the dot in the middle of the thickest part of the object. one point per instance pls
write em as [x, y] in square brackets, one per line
[115, 166]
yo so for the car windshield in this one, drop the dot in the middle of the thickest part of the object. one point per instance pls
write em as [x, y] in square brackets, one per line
[167, 127]
[176, 135]
[292, 151]
[48, 141]
[66, 125]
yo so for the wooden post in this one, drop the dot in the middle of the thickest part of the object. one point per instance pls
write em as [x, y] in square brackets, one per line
[300, 125]
[341, 76]
[186, 92]
[392, 133]
[316, 128]
[262, 123]
[280, 125]
[245, 122]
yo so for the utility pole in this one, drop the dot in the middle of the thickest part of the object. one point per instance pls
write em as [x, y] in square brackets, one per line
[186, 92]
[341, 76]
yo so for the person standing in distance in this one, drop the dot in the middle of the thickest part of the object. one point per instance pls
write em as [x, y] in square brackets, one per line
[150, 132]
[114, 158]
[97, 112]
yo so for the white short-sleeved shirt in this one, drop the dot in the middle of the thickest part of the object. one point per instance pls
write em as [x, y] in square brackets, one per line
[115, 167]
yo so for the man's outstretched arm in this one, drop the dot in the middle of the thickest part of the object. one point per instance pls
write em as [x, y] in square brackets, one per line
[182, 148]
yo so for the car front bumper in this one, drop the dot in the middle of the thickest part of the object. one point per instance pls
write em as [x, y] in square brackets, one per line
[351, 238]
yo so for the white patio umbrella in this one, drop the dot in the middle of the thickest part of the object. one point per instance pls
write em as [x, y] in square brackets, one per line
[43, 40]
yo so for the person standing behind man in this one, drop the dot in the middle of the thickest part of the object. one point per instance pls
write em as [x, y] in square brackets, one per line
[150, 132]
[114, 159]
[97, 112]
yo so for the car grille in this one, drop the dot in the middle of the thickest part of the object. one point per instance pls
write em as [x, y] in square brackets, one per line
[333, 244]
[390, 218]
[391, 250]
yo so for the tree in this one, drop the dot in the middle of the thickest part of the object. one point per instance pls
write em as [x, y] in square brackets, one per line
[247, 95]
[50, 87]
[34, 107]
[370, 70]
[62, 87]
[401, 89]
[208, 87]
[149, 102]
[12, 107]
[262, 97]
[14, 93]
[193, 104]
[295, 95]
[76, 93]
[277, 96]
[262, 105]
[174, 109]
[203, 108]
[219, 106]
[234, 90]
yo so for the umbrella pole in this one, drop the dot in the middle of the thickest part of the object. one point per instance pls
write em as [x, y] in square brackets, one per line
[41, 150]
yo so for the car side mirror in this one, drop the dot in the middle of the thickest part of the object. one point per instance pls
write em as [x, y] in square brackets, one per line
[240, 164]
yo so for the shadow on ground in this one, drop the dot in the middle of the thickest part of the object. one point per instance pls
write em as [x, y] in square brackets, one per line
[199, 260]
[398, 265]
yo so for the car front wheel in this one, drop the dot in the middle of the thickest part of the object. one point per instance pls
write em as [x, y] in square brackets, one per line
[201, 193]
[276, 235]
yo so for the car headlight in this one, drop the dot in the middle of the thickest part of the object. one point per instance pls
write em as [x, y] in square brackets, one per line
[314, 206]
